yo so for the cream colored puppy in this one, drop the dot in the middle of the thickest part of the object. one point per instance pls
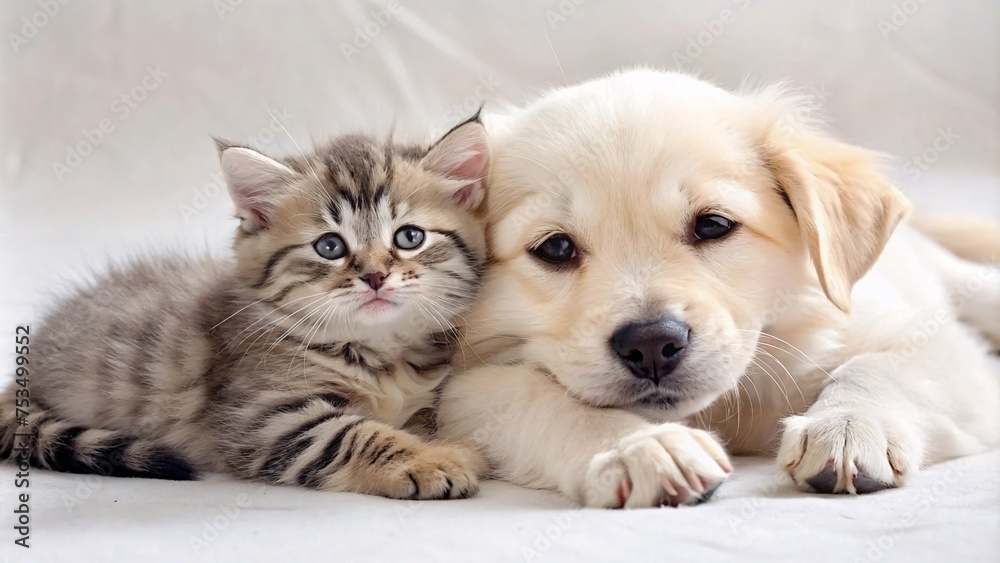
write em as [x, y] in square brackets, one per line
[670, 258]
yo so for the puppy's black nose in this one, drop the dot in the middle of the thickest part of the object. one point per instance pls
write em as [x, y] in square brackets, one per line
[652, 349]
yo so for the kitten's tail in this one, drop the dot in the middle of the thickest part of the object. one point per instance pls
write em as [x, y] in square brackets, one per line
[47, 442]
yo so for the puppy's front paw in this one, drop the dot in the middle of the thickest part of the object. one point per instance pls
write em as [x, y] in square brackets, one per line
[667, 465]
[846, 452]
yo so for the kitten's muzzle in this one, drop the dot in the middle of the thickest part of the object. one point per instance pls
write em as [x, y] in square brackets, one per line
[652, 349]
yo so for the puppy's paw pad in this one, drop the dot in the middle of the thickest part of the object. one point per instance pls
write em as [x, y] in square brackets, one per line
[865, 483]
[670, 465]
[846, 453]
[824, 482]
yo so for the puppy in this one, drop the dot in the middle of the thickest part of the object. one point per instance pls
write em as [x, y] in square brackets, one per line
[678, 270]
[971, 238]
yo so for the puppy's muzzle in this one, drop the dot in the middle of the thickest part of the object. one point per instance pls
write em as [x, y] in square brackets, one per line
[652, 350]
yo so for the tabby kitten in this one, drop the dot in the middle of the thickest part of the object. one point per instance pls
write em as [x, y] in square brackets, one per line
[301, 360]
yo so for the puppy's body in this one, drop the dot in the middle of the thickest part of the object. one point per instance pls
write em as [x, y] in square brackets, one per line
[669, 255]
[902, 356]
[969, 237]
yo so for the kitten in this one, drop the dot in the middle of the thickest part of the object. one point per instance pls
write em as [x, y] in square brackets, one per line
[297, 362]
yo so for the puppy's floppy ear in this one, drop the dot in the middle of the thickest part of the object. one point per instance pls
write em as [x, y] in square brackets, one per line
[846, 208]
[255, 182]
[462, 155]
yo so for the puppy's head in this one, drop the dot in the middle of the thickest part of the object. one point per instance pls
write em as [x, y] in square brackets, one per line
[644, 225]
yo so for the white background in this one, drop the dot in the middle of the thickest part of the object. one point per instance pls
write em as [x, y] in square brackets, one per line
[893, 76]
[900, 77]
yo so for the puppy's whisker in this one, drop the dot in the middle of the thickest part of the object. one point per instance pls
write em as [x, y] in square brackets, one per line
[790, 377]
[739, 410]
[559, 64]
[727, 401]
[763, 367]
[804, 356]
[753, 418]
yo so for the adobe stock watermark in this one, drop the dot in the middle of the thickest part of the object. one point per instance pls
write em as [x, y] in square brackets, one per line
[810, 100]
[899, 16]
[913, 343]
[201, 197]
[562, 12]
[92, 483]
[86, 486]
[915, 166]
[32, 25]
[462, 110]
[697, 44]
[212, 528]
[122, 107]
[927, 499]
[496, 420]
[552, 193]
[364, 34]
[927, 327]
[561, 523]
[750, 506]
[225, 7]
[547, 537]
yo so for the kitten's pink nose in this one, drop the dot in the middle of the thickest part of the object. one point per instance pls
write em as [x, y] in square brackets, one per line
[374, 280]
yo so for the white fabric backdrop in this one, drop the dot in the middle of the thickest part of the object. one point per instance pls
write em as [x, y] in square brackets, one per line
[108, 107]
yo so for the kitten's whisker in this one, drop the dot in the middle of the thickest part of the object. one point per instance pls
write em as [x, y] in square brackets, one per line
[304, 347]
[270, 312]
[302, 153]
[271, 328]
[281, 338]
[245, 307]
[458, 337]
[263, 329]
[425, 313]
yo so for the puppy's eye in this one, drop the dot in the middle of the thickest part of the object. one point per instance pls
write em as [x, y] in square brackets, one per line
[409, 237]
[557, 249]
[709, 227]
[330, 246]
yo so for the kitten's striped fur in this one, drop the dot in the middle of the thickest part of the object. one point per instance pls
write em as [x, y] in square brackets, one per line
[267, 366]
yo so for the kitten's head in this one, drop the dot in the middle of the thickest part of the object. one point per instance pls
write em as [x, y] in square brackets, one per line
[363, 239]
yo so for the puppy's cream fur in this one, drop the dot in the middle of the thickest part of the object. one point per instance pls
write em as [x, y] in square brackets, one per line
[820, 330]
[969, 237]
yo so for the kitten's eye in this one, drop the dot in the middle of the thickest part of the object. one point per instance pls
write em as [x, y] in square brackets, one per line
[330, 246]
[409, 237]
[557, 249]
[709, 227]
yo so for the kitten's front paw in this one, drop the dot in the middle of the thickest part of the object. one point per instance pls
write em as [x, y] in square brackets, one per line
[668, 465]
[430, 472]
[847, 452]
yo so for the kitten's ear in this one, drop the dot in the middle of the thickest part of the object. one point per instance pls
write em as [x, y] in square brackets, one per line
[255, 181]
[463, 155]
